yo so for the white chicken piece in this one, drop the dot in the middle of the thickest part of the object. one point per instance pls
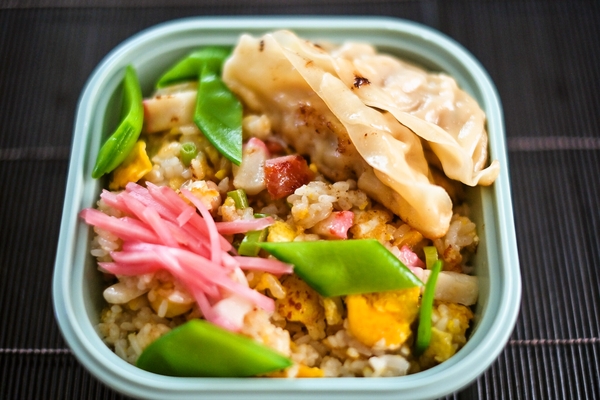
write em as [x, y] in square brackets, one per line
[170, 107]
[250, 174]
[454, 287]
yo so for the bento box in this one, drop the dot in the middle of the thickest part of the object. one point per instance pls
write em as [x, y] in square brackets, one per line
[77, 285]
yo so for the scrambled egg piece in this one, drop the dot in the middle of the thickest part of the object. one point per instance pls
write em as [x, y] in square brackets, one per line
[263, 281]
[281, 232]
[440, 349]
[302, 304]
[133, 168]
[373, 224]
[451, 322]
[309, 372]
[206, 191]
[385, 316]
[411, 239]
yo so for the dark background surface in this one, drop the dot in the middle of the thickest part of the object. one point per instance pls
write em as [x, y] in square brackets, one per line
[543, 57]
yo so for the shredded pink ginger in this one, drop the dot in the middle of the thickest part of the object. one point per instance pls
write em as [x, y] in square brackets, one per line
[160, 230]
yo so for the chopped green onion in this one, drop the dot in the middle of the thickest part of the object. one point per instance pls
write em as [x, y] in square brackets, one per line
[431, 256]
[240, 198]
[342, 267]
[249, 245]
[201, 349]
[426, 310]
[188, 152]
[260, 215]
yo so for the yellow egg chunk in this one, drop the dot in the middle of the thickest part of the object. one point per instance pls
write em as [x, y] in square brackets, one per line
[459, 324]
[383, 316]
[302, 304]
[440, 349]
[448, 333]
[410, 239]
[297, 371]
[333, 310]
[133, 168]
[309, 372]
[266, 281]
[281, 232]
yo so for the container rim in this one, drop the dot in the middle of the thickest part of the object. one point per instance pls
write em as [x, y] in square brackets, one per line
[467, 365]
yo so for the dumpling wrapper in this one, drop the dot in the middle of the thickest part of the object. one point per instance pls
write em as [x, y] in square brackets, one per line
[394, 153]
[315, 103]
[430, 105]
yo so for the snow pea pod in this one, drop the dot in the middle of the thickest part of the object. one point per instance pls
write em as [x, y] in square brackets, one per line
[426, 310]
[201, 349]
[218, 114]
[121, 142]
[188, 69]
[342, 267]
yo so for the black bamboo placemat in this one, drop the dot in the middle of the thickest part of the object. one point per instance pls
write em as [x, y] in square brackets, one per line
[543, 57]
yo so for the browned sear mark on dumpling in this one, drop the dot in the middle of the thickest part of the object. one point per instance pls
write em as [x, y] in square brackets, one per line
[359, 81]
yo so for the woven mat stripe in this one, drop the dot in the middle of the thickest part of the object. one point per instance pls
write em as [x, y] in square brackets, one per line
[520, 144]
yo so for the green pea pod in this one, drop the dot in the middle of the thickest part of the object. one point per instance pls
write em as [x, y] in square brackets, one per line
[342, 267]
[121, 142]
[188, 69]
[426, 309]
[218, 114]
[201, 349]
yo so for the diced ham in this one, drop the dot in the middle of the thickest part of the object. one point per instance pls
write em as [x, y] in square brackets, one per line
[276, 145]
[335, 226]
[409, 258]
[285, 174]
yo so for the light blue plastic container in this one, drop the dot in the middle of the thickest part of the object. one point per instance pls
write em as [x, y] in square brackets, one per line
[78, 285]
